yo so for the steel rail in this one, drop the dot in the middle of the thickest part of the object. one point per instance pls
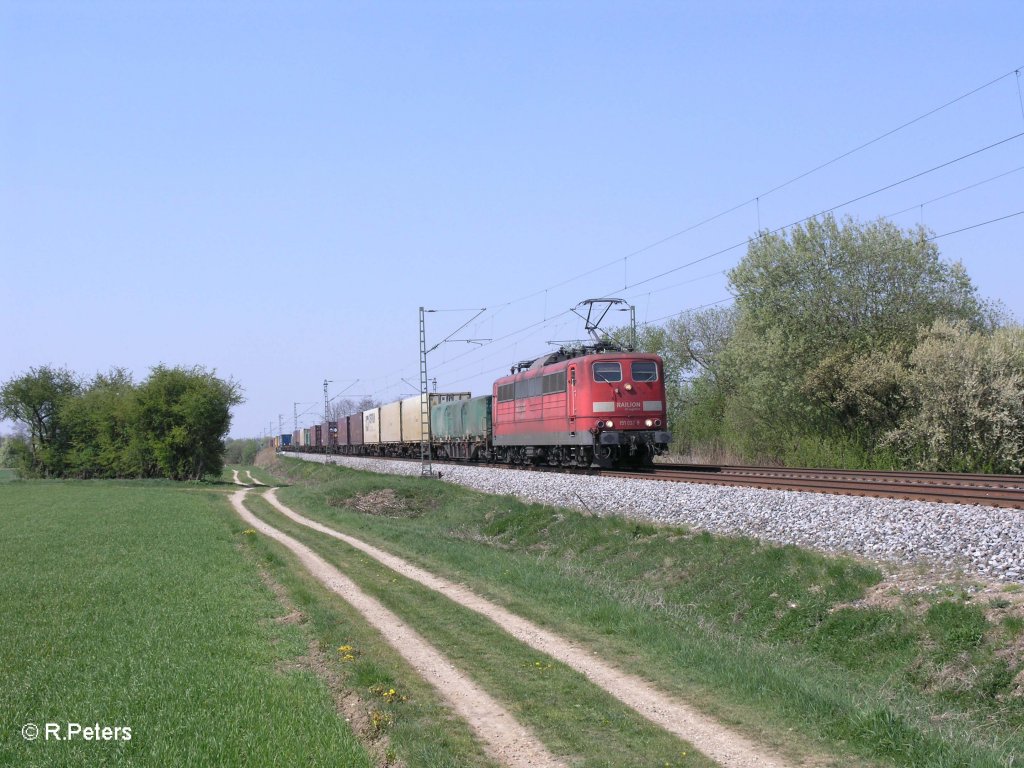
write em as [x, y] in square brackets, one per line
[989, 490]
[959, 479]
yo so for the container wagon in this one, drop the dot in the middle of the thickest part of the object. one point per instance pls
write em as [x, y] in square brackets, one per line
[355, 433]
[462, 429]
[371, 431]
[391, 429]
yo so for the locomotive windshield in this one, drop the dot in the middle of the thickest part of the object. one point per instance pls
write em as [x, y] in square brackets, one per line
[645, 370]
[607, 372]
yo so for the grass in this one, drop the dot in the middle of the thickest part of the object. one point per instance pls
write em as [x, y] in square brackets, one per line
[6, 475]
[131, 604]
[771, 639]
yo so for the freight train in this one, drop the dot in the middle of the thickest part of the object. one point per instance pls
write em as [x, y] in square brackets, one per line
[579, 406]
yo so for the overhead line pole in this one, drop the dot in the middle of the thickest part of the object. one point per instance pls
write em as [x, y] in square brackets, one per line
[426, 468]
[325, 437]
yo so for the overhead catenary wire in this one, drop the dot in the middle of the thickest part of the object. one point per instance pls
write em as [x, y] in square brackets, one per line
[834, 208]
[756, 200]
[976, 226]
[957, 191]
[449, 336]
[1020, 98]
[726, 299]
[780, 229]
[757, 197]
[927, 239]
[546, 321]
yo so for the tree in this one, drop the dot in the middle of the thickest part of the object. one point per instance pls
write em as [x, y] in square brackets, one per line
[172, 425]
[339, 409]
[860, 285]
[14, 451]
[102, 424]
[691, 347]
[242, 451]
[366, 403]
[697, 339]
[826, 315]
[185, 415]
[966, 390]
[35, 400]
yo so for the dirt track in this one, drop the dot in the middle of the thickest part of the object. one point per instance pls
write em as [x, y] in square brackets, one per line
[713, 739]
[505, 739]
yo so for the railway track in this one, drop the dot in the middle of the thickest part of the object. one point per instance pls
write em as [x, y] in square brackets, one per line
[948, 487]
[957, 488]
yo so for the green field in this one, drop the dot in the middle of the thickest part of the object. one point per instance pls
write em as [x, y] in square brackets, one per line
[134, 605]
[150, 605]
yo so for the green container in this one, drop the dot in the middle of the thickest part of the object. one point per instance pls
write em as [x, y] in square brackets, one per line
[476, 418]
[437, 430]
[462, 419]
[453, 419]
[442, 420]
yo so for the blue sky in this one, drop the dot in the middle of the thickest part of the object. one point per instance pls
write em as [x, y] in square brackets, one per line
[274, 189]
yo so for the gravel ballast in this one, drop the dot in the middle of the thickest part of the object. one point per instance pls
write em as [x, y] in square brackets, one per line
[988, 541]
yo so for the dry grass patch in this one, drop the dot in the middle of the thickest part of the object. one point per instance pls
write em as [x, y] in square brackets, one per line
[383, 502]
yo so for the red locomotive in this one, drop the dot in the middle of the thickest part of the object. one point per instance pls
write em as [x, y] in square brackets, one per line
[582, 405]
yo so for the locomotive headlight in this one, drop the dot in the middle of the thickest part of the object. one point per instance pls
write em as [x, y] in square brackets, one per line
[600, 425]
[609, 424]
[649, 422]
[628, 387]
[657, 422]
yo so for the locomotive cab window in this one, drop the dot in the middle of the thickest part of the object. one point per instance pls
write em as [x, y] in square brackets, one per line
[607, 372]
[645, 370]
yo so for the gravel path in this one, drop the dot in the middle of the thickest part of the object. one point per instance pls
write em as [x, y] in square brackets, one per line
[988, 541]
[505, 739]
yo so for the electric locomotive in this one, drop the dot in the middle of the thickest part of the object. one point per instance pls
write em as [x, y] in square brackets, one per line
[581, 405]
